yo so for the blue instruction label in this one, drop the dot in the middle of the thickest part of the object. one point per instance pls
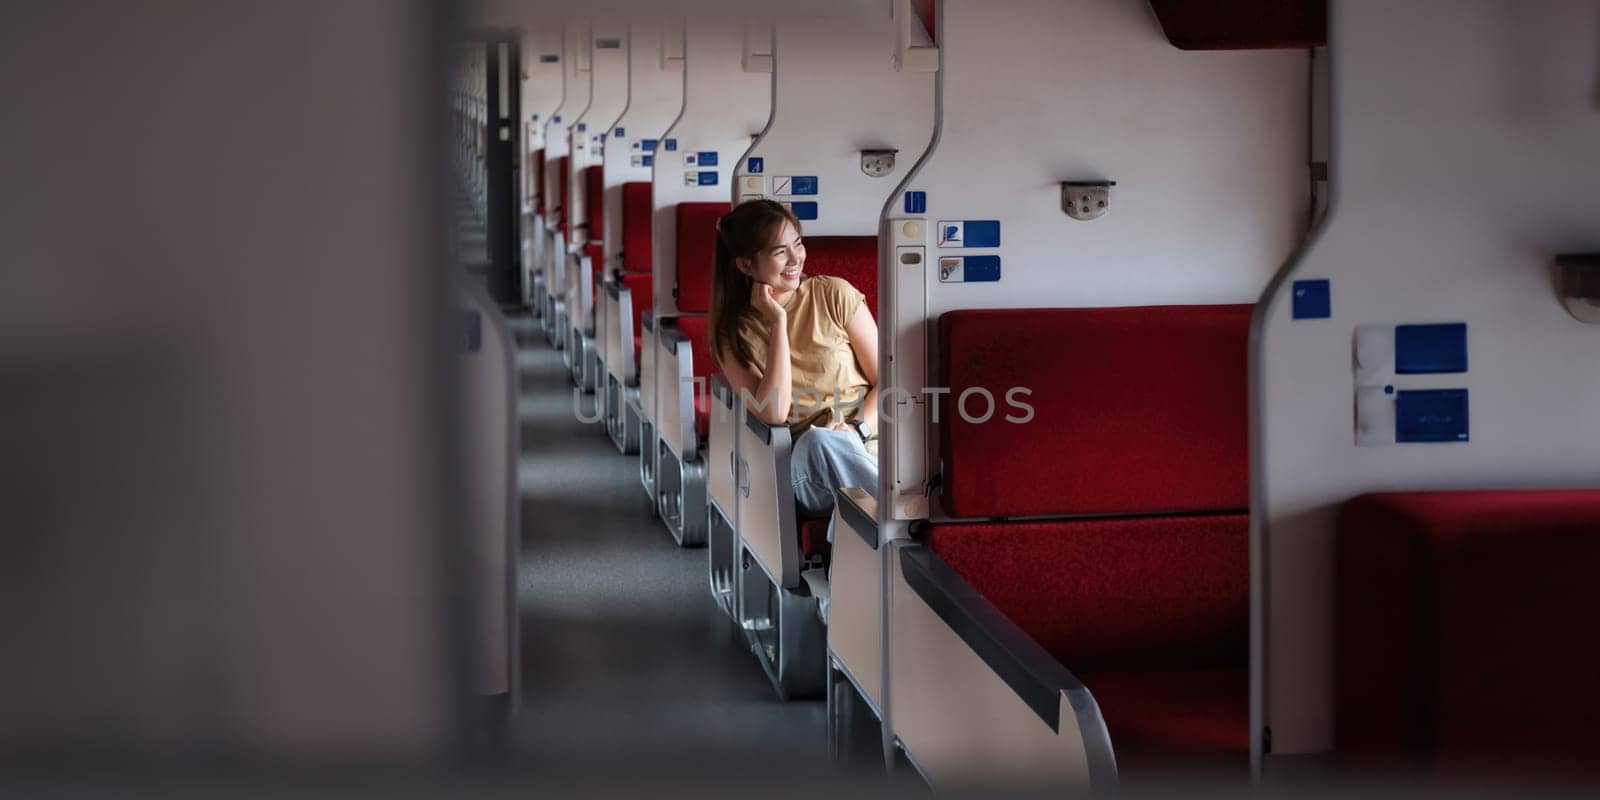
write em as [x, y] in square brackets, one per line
[647, 161]
[708, 179]
[804, 209]
[916, 202]
[804, 184]
[617, 134]
[672, 144]
[969, 233]
[1430, 349]
[1431, 415]
[707, 158]
[755, 164]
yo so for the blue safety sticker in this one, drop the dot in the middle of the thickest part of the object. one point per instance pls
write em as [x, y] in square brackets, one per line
[708, 179]
[1312, 300]
[969, 269]
[707, 158]
[804, 184]
[804, 209]
[672, 144]
[617, 134]
[916, 202]
[1430, 415]
[647, 161]
[969, 233]
[647, 145]
[755, 164]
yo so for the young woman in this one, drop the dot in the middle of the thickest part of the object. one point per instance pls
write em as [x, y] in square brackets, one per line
[801, 350]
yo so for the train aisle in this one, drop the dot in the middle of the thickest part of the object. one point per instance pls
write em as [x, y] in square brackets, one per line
[624, 652]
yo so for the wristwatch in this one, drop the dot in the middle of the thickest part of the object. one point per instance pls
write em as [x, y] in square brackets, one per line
[861, 429]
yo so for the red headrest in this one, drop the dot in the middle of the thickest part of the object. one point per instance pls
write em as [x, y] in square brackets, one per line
[1135, 410]
[1243, 24]
[697, 243]
[854, 258]
[564, 172]
[638, 205]
[638, 286]
[595, 186]
[698, 331]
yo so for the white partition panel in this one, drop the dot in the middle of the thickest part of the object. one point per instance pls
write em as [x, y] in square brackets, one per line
[837, 94]
[724, 109]
[608, 95]
[1208, 151]
[655, 98]
[541, 92]
[575, 98]
[1457, 180]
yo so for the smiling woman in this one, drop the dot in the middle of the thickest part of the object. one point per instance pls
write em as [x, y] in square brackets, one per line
[803, 349]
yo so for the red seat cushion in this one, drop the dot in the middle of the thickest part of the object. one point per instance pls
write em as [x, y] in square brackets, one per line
[1132, 594]
[595, 201]
[1461, 624]
[814, 537]
[1135, 410]
[853, 258]
[696, 254]
[638, 208]
[1243, 24]
[1192, 718]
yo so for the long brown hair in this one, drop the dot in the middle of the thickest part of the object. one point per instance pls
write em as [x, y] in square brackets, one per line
[744, 232]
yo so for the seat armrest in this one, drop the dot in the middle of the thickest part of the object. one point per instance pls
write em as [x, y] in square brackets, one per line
[767, 513]
[1035, 675]
[859, 511]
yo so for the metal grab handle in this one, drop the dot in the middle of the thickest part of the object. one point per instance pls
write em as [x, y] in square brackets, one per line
[744, 483]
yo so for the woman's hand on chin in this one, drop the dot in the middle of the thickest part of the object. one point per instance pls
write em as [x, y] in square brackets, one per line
[762, 299]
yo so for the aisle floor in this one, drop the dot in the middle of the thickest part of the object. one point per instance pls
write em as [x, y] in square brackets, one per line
[624, 652]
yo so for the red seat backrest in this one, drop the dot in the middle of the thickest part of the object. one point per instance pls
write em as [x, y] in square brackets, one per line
[697, 247]
[697, 330]
[638, 207]
[639, 288]
[595, 201]
[597, 264]
[564, 193]
[1459, 628]
[853, 258]
[538, 186]
[1135, 410]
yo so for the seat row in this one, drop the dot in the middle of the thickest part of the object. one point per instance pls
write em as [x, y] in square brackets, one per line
[1086, 550]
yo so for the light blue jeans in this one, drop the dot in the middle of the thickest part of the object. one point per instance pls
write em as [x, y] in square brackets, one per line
[824, 461]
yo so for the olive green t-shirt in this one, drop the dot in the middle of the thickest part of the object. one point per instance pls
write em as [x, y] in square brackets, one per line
[828, 384]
